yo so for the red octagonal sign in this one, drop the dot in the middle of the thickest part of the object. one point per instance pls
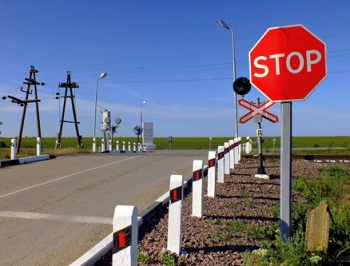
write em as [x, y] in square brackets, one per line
[287, 63]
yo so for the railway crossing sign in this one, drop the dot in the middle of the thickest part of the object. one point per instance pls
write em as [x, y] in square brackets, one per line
[288, 63]
[257, 110]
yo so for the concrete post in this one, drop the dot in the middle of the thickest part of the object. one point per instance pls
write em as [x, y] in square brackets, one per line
[247, 145]
[175, 214]
[125, 236]
[226, 158]
[13, 149]
[117, 145]
[38, 146]
[197, 189]
[102, 145]
[236, 150]
[232, 154]
[221, 164]
[239, 149]
[93, 145]
[212, 174]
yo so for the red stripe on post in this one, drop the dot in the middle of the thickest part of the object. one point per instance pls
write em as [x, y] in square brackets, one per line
[197, 175]
[175, 194]
[211, 162]
[121, 239]
[220, 155]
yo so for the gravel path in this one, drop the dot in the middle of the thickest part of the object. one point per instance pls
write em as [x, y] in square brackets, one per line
[220, 236]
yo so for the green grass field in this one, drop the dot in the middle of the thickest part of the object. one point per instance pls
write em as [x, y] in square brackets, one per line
[271, 144]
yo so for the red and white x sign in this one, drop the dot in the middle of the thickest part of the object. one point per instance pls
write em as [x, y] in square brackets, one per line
[257, 110]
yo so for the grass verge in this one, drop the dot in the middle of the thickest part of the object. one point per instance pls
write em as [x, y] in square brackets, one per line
[333, 185]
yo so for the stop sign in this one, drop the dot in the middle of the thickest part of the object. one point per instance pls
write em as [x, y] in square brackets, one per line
[287, 63]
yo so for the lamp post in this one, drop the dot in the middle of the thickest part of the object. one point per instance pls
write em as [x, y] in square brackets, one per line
[141, 121]
[103, 75]
[222, 24]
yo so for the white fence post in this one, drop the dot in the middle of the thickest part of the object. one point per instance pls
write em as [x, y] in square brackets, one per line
[227, 158]
[197, 189]
[93, 144]
[102, 145]
[246, 150]
[123, 145]
[221, 164]
[175, 214]
[110, 145]
[212, 174]
[239, 149]
[139, 146]
[232, 154]
[125, 236]
[236, 150]
[117, 145]
[13, 149]
[38, 146]
[134, 147]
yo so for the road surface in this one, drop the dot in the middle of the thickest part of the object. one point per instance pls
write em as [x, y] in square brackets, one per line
[52, 212]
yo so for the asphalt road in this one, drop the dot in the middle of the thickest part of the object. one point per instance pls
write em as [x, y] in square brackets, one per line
[52, 212]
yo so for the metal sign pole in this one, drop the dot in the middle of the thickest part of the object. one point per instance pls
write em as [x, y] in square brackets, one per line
[286, 169]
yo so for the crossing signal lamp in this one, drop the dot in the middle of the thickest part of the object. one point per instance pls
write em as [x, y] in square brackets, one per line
[242, 86]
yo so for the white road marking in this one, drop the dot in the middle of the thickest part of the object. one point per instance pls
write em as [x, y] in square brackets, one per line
[64, 177]
[56, 217]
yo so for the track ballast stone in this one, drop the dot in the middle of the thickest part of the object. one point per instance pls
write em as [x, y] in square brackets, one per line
[220, 236]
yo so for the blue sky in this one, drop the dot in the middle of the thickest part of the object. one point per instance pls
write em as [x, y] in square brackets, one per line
[171, 53]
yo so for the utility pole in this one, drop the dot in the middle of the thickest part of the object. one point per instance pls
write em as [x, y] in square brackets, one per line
[31, 81]
[69, 86]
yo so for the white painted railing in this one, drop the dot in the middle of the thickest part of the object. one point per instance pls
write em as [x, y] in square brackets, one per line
[218, 164]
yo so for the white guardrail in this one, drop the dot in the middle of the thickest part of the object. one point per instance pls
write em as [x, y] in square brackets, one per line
[126, 221]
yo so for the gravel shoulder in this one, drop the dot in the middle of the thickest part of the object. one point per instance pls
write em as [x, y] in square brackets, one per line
[219, 237]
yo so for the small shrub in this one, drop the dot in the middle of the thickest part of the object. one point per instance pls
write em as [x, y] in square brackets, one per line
[222, 237]
[263, 232]
[237, 225]
[168, 259]
[144, 258]
[280, 252]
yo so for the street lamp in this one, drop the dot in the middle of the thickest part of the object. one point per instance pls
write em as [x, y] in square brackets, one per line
[222, 24]
[141, 121]
[103, 75]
